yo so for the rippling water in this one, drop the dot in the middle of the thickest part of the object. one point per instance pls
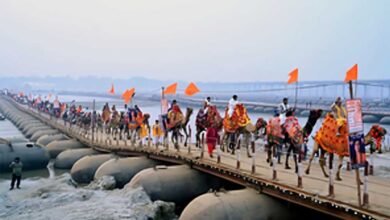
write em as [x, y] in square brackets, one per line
[43, 196]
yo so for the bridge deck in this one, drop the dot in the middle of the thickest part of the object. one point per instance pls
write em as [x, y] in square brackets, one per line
[314, 193]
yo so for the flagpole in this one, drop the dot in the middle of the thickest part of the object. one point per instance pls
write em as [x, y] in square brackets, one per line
[93, 119]
[162, 98]
[296, 95]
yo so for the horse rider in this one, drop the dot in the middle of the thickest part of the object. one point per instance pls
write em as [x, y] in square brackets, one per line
[174, 107]
[232, 104]
[283, 108]
[339, 113]
[106, 113]
[175, 114]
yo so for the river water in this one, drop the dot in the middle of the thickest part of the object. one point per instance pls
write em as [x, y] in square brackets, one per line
[51, 195]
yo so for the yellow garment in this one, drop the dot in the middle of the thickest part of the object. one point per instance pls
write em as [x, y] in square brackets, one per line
[144, 132]
[157, 131]
[341, 114]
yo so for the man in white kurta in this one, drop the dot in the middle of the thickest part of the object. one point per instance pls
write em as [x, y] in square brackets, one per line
[232, 104]
[283, 107]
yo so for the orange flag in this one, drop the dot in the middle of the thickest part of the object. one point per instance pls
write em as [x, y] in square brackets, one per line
[293, 76]
[112, 90]
[128, 95]
[352, 74]
[171, 89]
[191, 89]
[124, 93]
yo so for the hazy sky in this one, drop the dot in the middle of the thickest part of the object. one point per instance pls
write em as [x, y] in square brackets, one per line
[196, 40]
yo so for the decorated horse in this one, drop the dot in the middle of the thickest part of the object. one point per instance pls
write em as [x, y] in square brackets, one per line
[206, 120]
[326, 141]
[239, 125]
[177, 122]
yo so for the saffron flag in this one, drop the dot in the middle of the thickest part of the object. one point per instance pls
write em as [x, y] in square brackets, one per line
[293, 76]
[112, 90]
[191, 89]
[171, 89]
[128, 95]
[124, 93]
[352, 74]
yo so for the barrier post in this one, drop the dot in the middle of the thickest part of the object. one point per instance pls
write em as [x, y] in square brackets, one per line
[371, 166]
[253, 154]
[300, 185]
[349, 165]
[238, 152]
[218, 153]
[331, 179]
[365, 189]
[117, 138]
[202, 149]
[274, 174]
[166, 142]
[189, 143]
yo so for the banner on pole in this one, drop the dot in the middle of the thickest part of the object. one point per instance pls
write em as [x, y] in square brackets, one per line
[354, 116]
[357, 150]
[164, 106]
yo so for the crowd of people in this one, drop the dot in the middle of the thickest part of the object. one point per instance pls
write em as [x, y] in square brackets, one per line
[132, 123]
[282, 130]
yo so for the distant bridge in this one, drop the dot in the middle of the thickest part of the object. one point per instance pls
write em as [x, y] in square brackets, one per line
[269, 107]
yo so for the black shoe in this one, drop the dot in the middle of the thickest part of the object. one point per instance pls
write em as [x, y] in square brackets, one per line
[11, 188]
[18, 187]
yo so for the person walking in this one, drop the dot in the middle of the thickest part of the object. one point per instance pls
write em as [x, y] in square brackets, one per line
[157, 133]
[212, 139]
[16, 167]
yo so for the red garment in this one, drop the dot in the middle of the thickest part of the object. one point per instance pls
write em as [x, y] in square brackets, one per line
[176, 109]
[212, 138]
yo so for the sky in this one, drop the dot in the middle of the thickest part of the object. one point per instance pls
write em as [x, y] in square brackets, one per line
[195, 40]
